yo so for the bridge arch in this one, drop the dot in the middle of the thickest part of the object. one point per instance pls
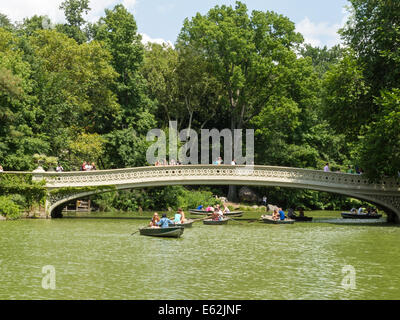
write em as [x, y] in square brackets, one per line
[385, 194]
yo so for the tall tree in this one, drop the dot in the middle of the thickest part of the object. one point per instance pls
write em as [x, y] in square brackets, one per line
[18, 141]
[74, 11]
[5, 22]
[248, 55]
[361, 91]
[118, 30]
[73, 86]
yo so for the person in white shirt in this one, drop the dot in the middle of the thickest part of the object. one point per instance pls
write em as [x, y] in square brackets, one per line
[326, 168]
[220, 214]
[226, 209]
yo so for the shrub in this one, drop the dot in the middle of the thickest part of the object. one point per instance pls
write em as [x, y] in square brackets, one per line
[192, 199]
[9, 209]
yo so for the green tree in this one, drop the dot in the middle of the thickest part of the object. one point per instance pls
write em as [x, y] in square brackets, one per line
[32, 24]
[373, 32]
[159, 69]
[379, 147]
[322, 58]
[74, 11]
[246, 54]
[250, 56]
[346, 95]
[179, 81]
[118, 31]
[73, 87]
[361, 90]
[85, 147]
[5, 22]
[18, 142]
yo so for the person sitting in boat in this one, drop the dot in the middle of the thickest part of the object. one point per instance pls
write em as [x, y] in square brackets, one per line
[281, 214]
[183, 219]
[353, 210]
[301, 212]
[214, 215]
[360, 210]
[291, 214]
[209, 208]
[154, 220]
[226, 209]
[275, 215]
[178, 217]
[200, 207]
[220, 214]
[164, 222]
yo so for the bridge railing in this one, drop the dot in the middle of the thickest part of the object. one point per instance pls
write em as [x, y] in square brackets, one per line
[211, 172]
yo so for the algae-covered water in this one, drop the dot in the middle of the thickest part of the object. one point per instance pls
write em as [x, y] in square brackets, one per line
[100, 259]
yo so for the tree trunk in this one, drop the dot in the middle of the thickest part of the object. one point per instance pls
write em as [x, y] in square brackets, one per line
[232, 194]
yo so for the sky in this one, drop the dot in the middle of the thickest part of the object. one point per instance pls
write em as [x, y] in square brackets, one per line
[161, 20]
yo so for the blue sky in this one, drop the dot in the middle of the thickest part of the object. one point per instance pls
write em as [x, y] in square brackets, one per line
[318, 19]
[161, 20]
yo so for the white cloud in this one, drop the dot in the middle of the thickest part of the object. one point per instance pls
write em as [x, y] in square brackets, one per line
[322, 33]
[319, 34]
[17, 10]
[146, 39]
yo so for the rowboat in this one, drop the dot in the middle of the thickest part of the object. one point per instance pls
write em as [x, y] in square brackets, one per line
[204, 212]
[170, 232]
[350, 215]
[187, 224]
[215, 222]
[268, 219]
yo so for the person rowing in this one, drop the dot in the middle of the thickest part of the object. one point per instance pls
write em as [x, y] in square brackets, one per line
[214, 215]
[164, 222]
[179, 217]
[281, 214]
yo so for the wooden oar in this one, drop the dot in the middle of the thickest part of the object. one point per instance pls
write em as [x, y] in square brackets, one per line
[234, 220]
[135, 232]
[255, 220]
[201, 218]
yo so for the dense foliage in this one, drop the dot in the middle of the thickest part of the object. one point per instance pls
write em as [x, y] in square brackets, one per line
[19, 193]
[84, 91]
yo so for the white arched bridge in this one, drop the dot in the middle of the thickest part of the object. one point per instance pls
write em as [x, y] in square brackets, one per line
[66, 186]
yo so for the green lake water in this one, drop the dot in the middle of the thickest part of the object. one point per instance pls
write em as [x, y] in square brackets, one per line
[99, 259]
